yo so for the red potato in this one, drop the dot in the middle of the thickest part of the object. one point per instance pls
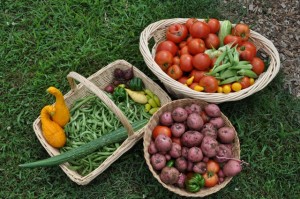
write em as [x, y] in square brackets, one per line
[190, 166]
[200, 167]
[158, 161]
[209, 129]
[212, 110]
[191, 138]
[181, 164]
[163, 143]
[177, 129]
[218, 122]
[179, 114]
[181, 180]
[188, 109]
[205, 159]
[209, 146]
[224, 152]
[232, 168]
[195, 108]
[169, 175]
[194, 121]
[152, 148]
[204, 117]
[184, 151]
[195, 154]
[175, 151]
[226, 135]
[168, 157]
[166, 118]
[221, 173]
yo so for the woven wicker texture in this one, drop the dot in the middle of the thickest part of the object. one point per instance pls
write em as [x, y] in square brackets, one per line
[154, 121]
[157, 32]
[94, 85]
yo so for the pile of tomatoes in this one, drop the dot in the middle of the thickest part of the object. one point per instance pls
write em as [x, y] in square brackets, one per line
[182, 55]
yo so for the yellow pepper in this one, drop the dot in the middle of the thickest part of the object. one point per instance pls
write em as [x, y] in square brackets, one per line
[190, 80]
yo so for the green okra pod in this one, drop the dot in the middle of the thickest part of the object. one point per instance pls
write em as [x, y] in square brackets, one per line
[219, 68]
[231, 79]
[242, 66]
[247, 72]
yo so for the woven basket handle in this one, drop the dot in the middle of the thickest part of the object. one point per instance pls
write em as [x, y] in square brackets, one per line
[72, 76]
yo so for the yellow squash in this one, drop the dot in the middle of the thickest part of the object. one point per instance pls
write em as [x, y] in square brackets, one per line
[62, 113]
[52, 132]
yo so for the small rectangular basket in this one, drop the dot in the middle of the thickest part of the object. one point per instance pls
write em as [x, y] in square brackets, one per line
[157, 31]
[94, 85]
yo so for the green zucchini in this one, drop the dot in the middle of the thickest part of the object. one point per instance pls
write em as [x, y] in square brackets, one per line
[225, 30]
[118, 135]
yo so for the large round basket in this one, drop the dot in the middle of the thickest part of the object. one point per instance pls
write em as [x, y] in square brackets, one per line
[157, 32]
[154, 121]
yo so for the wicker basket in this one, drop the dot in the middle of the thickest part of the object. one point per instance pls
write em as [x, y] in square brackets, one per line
[147, 138]
[91, 86]
[157, 31]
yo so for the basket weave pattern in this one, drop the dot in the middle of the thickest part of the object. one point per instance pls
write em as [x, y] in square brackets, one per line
[154, 121]
[157, 32]
[94, 85]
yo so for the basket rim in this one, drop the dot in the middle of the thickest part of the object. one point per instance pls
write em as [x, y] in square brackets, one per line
[263, 80]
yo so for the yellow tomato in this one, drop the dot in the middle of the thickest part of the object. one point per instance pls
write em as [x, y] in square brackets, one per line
[226, 89]
[236, 86]
[252, 81]
[220, 89]
[198, 88]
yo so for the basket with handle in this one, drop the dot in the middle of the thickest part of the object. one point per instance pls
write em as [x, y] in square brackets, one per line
[154, 121]
[157, 31]
[94, 85]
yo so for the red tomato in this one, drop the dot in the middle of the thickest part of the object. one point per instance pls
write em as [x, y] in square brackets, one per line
[197, 75]
[186, 62]
[258, 65]
[176, 60]
[247, 45]
[236, 40]
[204, 117]
[245, 82]
[192, 86]
[184, 50]
[213, 61]
[200, 30]
[212, 41]
[189, 39]
[174, 72]
[169, 46]
[177, 33]
[183, 79]
[201, 61]
[241, 30]
[190, 22]
[212, 166]
[182, 44]
[214, 25]
[158, 130]
[247, 55]
[164, 59]
[211, 179]
[196, 46]
[209, 83]
[176, 140]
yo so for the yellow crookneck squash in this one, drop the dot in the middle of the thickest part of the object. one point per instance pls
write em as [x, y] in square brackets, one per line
[62, 113]
[53, 133]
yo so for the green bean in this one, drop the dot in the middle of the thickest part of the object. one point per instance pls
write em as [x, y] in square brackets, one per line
[248, 73]
[220, 68]
[231, 79]
[242, 66]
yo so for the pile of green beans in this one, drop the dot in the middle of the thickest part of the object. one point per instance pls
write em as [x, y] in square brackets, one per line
[90, 119]
[228, 68]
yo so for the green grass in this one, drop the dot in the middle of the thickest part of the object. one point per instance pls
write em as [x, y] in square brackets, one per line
[42, 41]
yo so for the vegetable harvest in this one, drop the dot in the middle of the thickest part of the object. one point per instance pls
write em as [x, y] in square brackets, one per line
[110, 138]
[199, 142]
[210, 56]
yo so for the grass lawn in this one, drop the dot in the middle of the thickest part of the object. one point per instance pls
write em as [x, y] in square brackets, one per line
[42, 41]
